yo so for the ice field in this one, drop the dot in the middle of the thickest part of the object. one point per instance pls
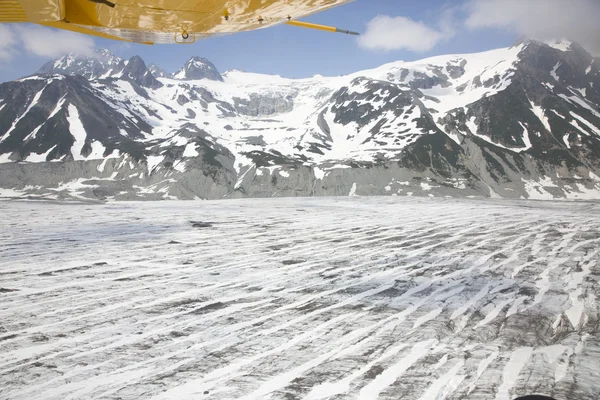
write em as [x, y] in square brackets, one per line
[321, 298]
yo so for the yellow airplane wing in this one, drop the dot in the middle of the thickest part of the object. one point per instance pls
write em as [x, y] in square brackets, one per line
[164, 21]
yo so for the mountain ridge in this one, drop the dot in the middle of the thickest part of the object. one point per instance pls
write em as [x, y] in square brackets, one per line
[104, 64]
[517, 122]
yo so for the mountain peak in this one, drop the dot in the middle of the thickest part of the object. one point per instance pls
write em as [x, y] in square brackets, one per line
[563, 45]
[198, 68]
[198, 59]
[157, 71]
[104, 53]
[137, 71]
[101, 64]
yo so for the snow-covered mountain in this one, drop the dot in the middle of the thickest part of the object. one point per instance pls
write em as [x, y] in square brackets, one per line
[516, 122]
[157, 71]
[198, 68]
[102, 64]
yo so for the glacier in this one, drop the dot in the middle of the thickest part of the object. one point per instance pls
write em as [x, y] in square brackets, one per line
[313, 298]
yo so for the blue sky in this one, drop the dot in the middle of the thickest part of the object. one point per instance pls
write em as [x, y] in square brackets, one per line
[393, 30]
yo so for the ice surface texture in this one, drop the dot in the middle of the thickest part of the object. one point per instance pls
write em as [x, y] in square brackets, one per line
[300, 298]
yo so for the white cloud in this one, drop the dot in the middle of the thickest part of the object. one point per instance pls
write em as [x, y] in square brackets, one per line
[41, 41]
[46, 42]
[400, 33]
[119, 47]
[8, 43]
[539, 19]
[546, 20]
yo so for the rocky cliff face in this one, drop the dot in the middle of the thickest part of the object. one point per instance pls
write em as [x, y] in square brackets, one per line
[518, 122]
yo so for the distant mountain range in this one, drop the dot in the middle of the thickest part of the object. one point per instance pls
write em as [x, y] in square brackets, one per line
[522, 122]
[105, 65]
